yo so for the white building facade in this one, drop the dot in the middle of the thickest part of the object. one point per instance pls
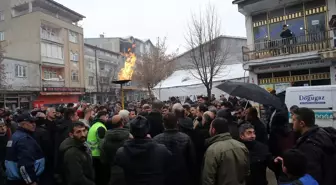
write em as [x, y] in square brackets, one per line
[307, 58]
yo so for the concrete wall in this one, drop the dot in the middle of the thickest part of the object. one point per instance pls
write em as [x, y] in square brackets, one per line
[232, 44]
[111, 44]
[31, 82]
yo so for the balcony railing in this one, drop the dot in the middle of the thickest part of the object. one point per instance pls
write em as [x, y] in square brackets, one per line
[53, 83]
[50, 37]
[298, 44]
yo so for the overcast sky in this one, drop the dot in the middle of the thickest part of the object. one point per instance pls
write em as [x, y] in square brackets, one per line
[151, 18]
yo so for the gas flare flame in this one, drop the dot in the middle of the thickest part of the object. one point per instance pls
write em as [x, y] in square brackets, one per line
[127, 71]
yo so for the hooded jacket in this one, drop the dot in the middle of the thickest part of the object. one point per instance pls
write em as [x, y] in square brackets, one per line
[77, 163]
[144, 162]
[226, 161]
[319, 150]
[114, 139]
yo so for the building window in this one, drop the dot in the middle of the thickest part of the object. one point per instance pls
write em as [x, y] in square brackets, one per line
[104, 80]
[91, 80]
[2, 16]
[316, 23]
[73, 37]
[2, 36]
[101, 66]
[50, 74]
[90, 65]
[74, 56]
[20, 71]
[51, 51]
[74, 76]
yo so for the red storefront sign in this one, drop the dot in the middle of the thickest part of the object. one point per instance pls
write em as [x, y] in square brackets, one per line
[62, 89]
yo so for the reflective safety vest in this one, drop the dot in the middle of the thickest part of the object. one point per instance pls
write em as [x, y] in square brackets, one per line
[93, 140]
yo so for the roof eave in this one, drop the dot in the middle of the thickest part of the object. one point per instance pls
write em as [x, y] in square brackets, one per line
[67, 9]
[237, 1]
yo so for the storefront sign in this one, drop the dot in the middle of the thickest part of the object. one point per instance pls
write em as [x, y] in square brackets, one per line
[292, 66]
[319, 115]
[62, 89]
[311, 99]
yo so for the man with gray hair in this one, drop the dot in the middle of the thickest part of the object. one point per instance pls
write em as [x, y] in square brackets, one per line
[260, 157]
[124, 114]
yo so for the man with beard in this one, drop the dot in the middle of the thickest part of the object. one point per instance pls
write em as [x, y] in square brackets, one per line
[62, 132]
[96, 134]
[259, 155]
[77, 161]
[201, 109]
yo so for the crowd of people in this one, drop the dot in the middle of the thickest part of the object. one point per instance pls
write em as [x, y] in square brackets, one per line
[208, 142]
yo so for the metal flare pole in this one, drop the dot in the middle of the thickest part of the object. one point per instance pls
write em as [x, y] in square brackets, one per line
[122, 96]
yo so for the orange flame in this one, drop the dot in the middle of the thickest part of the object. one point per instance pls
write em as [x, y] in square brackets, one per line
[127, 72]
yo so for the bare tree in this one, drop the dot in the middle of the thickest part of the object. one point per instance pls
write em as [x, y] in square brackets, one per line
[208, 54]
[153, 66]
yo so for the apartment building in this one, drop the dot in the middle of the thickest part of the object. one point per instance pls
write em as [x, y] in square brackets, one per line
[101, 68]
[44, 48]
[303, 58]
[132, 90]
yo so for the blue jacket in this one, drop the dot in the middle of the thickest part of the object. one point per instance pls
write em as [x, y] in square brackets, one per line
[305, 180]
[24, 158]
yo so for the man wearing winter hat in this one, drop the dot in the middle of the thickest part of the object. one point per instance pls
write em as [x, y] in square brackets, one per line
[142, 155]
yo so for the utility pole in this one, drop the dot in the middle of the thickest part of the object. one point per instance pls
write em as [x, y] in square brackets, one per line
[96, 61]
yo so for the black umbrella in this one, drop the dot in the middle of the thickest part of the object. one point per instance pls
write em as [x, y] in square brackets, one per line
[251, 92]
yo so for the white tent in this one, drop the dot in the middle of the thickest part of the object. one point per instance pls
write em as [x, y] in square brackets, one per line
[182, 83]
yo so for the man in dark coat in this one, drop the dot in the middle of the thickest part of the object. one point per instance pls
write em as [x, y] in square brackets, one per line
[143, 160]
[182, 165]
[114, 139]
[24, 157]
[259, 126]
[155, 119]
[316, 144]
[77, 161]
[260, 157]
[61, 133]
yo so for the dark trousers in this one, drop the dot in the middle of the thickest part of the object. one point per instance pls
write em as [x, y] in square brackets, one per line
[102, 172]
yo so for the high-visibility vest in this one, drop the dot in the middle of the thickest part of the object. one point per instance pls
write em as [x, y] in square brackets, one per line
[93, 140]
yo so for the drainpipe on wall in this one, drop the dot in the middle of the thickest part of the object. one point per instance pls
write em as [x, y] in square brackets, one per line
[96, 61]
[40, 66]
